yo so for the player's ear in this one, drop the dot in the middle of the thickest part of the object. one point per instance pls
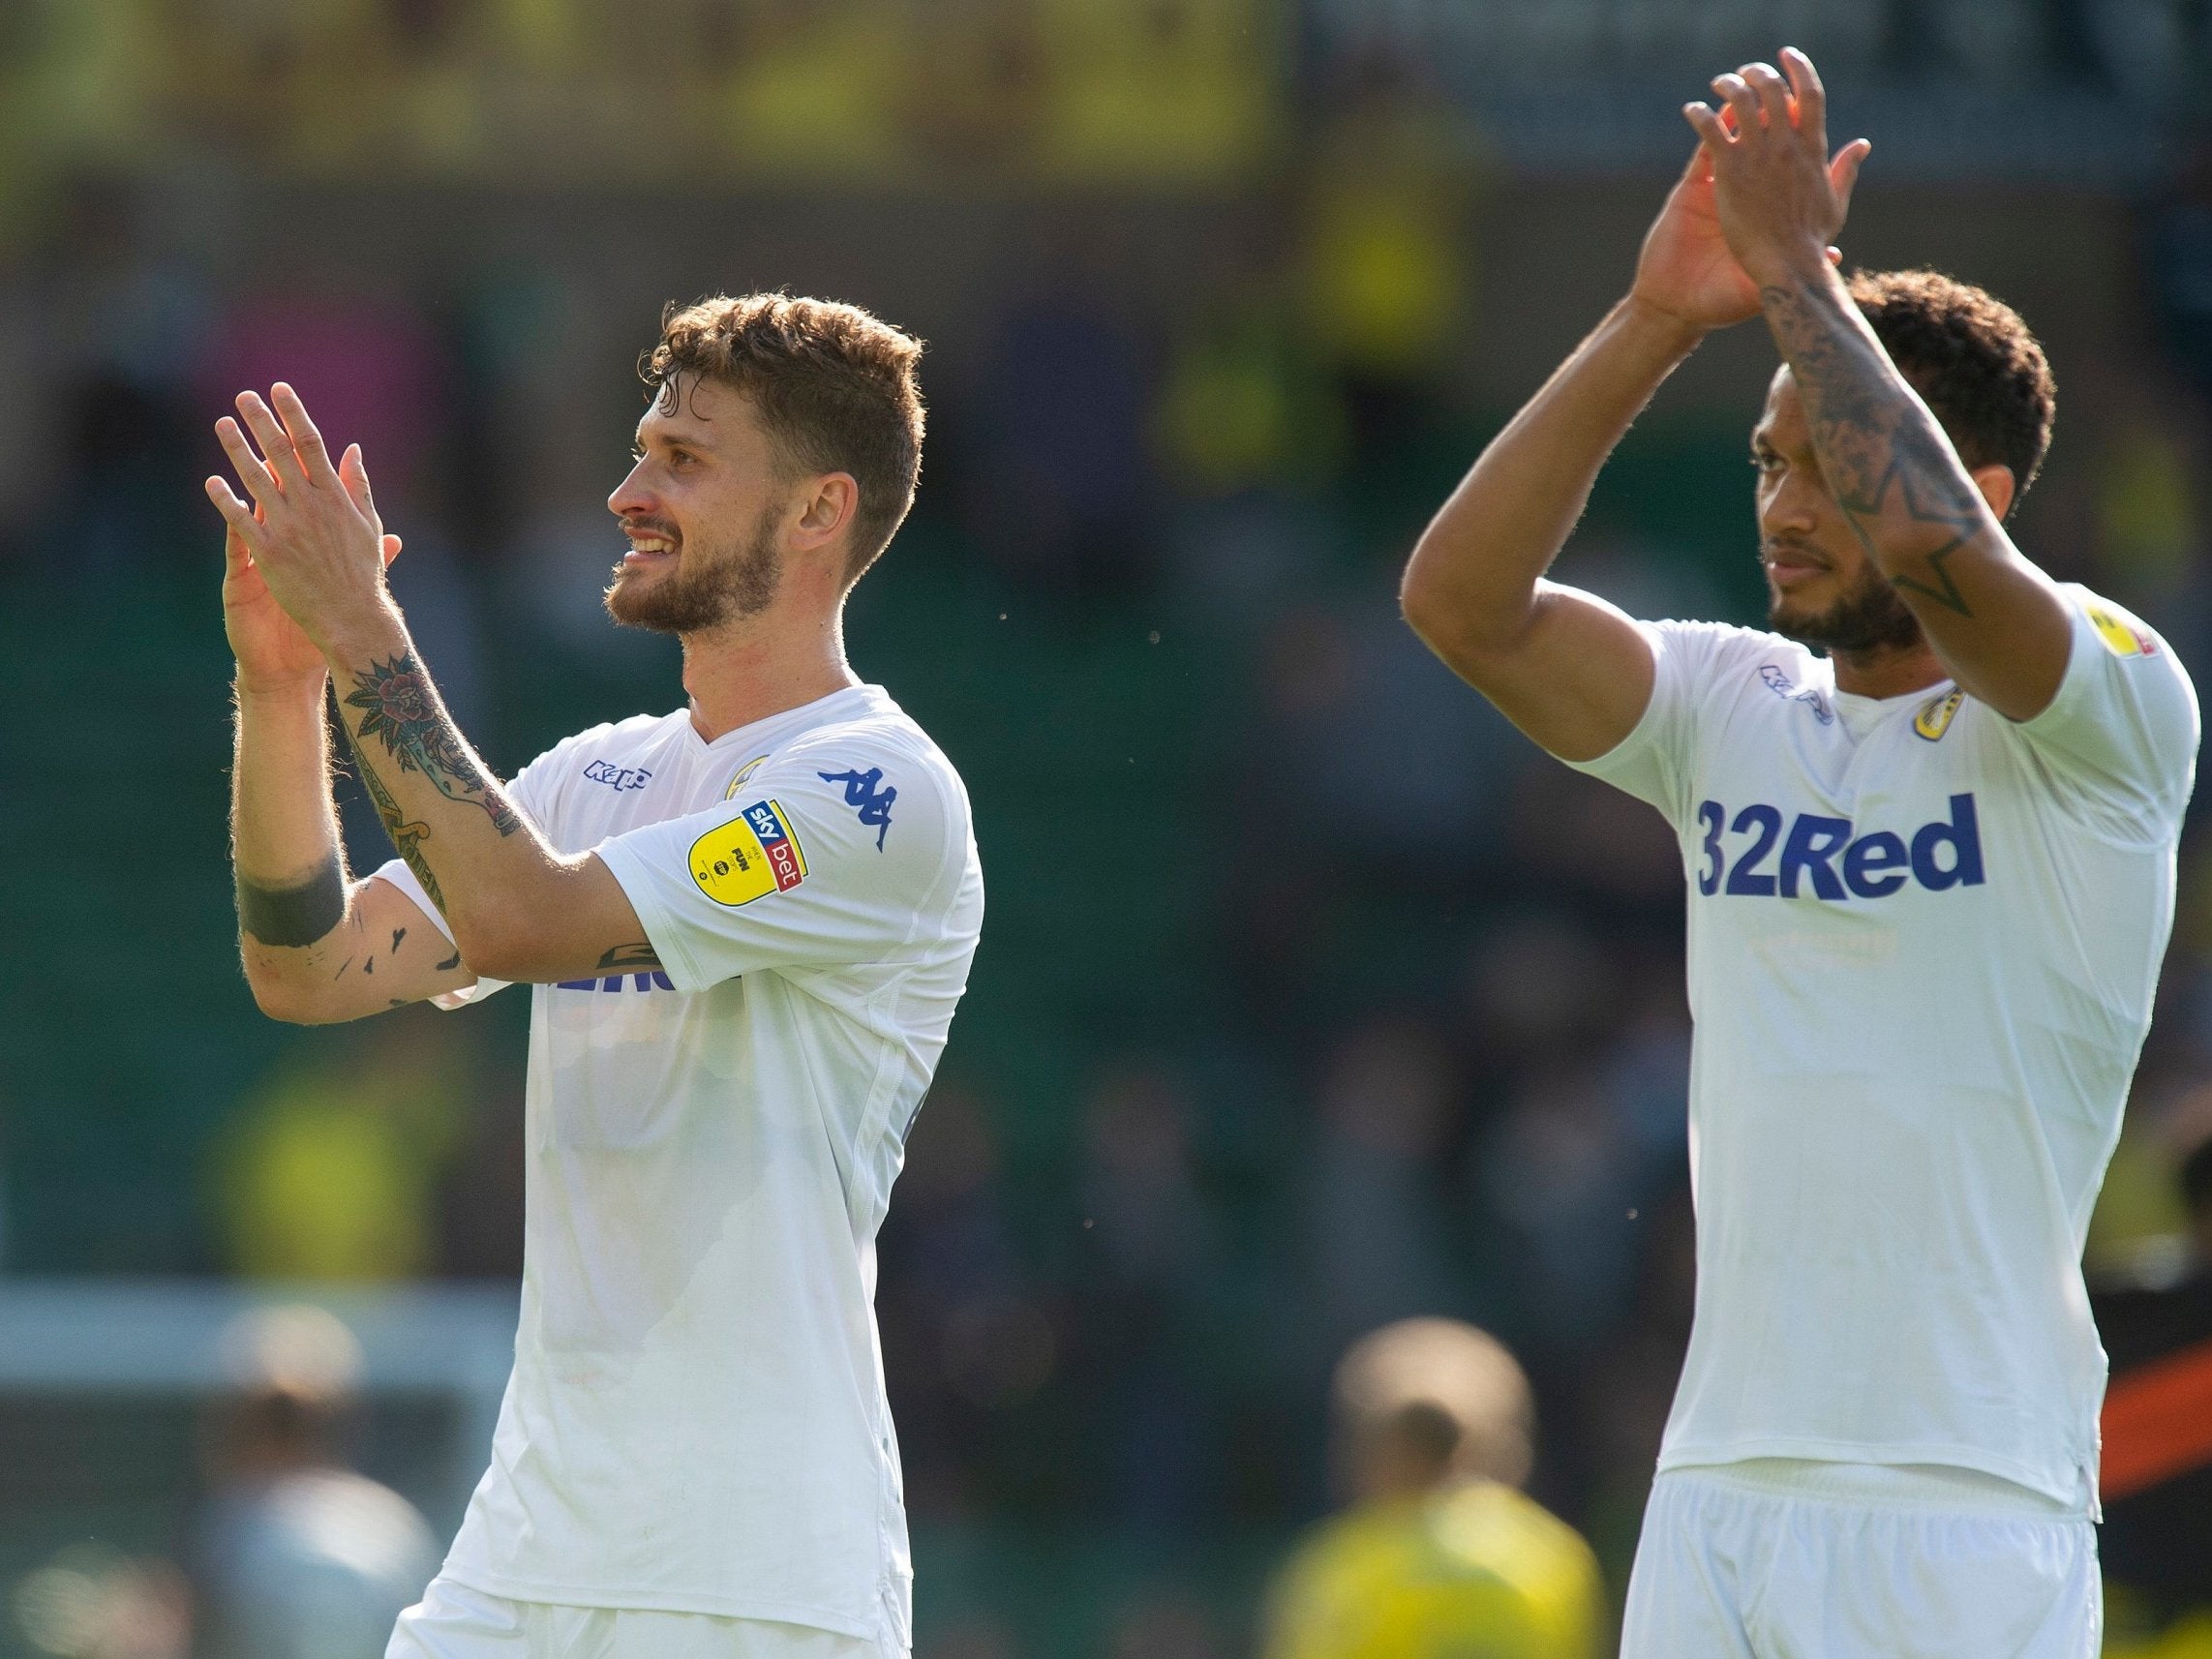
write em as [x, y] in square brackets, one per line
[828, 509]
[1998, 487]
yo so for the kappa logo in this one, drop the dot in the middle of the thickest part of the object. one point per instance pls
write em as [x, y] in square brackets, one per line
[753, 855]
[618, 777]
[1935, 719]
[1782, 686]
[873, 803]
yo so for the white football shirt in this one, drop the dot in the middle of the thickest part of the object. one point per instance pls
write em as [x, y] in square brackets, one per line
[1923, 946]
[696, 1421]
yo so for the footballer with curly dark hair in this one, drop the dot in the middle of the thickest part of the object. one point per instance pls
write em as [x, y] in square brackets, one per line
[1928, 820]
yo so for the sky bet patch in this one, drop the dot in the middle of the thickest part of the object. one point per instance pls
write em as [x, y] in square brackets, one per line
[2119, 638]
[753, 855]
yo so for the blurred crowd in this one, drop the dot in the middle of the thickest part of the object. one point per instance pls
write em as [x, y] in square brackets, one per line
[1313, 998]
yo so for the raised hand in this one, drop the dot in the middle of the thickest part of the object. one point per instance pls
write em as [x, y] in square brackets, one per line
[1687, 268]
[274, 652]
[1779, 197]
[309, 550]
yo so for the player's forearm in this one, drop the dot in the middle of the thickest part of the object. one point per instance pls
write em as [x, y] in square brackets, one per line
[1892, 470]
[284, 834]
[1473, 580]
[286, 855]
[481, 862]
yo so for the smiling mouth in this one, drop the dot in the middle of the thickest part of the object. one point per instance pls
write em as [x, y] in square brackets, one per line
[649, 550]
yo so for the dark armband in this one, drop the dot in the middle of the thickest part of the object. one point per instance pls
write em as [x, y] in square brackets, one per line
[294, 915]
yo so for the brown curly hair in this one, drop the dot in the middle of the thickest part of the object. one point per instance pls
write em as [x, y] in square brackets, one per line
[1972, 359]
[834, 386]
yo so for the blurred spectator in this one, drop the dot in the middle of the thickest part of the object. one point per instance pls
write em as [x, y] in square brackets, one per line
[1439, 1553]
[2180, 262]
[962, 1335]
[330, 1173]
[1059, 493]
[1372, 762]
[95, 1603]
[1595, 1130]
[376, 375]
[298, 1556]
[1244, 403]
[1152, 1262]
[1387, 233]
[977, 1638]
[1378, 1242]
[1163, 1625]
[2148, 526]
[2157, 1539]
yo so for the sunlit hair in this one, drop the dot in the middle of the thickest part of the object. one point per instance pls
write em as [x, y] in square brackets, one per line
[834, 388]
[1972, 359]
[1445, 1388]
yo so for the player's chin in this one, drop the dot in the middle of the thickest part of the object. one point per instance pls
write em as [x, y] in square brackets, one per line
[1792, 617]
[630, 591]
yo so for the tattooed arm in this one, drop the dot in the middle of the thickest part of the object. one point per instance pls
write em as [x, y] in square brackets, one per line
[1929, 525]
[517, 909]
[1564, 666]
[315, 946]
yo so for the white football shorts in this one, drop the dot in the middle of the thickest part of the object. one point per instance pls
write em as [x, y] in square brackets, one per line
[453, 1622]
[1781, 1559]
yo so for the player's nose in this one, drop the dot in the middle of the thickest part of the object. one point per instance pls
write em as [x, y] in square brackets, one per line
[1791, 508]
[631, 499]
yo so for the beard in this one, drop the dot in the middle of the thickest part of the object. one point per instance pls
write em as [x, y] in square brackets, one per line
[1866, 617]
[705, 588]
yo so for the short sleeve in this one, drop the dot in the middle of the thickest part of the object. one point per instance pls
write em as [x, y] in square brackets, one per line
[1654, 762]
[2120, 737]
[528, 789]
[840, 853]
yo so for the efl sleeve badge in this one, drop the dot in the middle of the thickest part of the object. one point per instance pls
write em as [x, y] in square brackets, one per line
[753, 855]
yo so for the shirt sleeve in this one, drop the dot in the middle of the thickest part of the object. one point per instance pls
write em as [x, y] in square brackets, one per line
[2119, 739]
[528, 789]
[1654, 762]
[839, 853]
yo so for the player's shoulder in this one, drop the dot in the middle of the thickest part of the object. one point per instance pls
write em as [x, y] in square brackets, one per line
[874, 748]
[2122, 675]
[636, 732]
[1365, 1546]
[1507, 1532]
[609, 738]
[1729, 658]
[2122, 633]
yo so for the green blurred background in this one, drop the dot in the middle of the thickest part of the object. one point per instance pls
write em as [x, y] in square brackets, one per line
[1310, 996]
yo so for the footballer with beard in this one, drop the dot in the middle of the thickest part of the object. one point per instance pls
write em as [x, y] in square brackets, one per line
[1927, 819]
[745, 924]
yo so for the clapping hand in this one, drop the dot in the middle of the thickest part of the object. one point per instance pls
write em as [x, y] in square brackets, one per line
[307, 555]
[1779, 198]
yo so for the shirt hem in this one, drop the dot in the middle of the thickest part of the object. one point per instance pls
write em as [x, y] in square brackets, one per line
[604, 1596]
[2062, 1491]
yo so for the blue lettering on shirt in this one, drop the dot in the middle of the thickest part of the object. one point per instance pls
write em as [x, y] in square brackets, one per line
[1819, 856]
[618, 777]
[656, 981]
[873, 803]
